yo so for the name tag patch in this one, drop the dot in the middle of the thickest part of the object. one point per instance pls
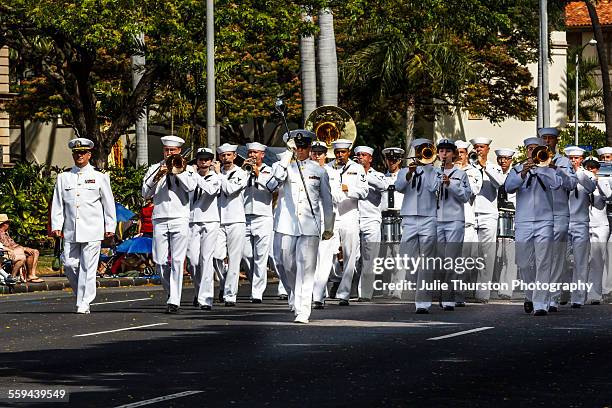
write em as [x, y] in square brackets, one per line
[351, 173]
[91, 181]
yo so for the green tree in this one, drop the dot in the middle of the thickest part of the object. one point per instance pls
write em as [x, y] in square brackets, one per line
[590, 103]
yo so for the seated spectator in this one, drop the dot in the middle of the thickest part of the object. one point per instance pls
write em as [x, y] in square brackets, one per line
[145, 223]
[18, 254]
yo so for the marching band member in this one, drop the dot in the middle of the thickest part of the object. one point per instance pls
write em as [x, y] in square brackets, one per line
[561, 209]
[470, 238]
[605, 154]
[599, 230]
[327, 248]
[259, 223]
[297, 219]
[579, 238]
[453, 194]
[204, 228]
[420, 185]
[534, 224]
[233, 230]
[506, 266]
[370, 219]
[83, 209]
[170, 193]
[486, 212]
[355, 187]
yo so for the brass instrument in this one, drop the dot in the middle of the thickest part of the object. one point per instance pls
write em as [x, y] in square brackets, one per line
[330, 123]
[248, 165]
[473, 158]
[542, 156]
[176, 163]
[425, 155]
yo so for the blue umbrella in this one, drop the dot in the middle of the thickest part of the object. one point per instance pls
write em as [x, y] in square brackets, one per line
[138, 245]
[123, 214]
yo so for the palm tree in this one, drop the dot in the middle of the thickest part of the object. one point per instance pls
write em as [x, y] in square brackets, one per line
[309, 71]
[327, 59]
[590, 104]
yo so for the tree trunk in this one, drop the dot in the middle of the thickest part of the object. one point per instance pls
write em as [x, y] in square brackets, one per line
[409, 124]
[309, 73]
[328, 62]
[142, 145]
[603, 64]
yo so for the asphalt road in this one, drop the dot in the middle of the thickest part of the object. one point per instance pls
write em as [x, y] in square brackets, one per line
[372, 355]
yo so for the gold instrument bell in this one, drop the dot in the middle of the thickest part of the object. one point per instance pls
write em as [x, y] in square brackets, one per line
[424, 155]
[330, 123]
[542, 156]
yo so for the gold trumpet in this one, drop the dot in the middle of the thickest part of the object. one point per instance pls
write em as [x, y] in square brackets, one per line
[425, 155]
[330, 123]
[541, 155]
[176, 164]
[248, 165]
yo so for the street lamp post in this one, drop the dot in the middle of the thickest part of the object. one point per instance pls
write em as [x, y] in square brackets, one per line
[578, 55]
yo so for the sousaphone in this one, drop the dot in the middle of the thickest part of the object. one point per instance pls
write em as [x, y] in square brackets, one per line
[330, 123]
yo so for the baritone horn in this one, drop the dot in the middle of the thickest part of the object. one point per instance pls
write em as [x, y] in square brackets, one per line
[330, 123]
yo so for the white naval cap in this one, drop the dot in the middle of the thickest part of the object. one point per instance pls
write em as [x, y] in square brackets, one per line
[205, 152]
[461, 144]
[421, 141]
[342, 144]
[226, 147]
[364, 149]
[256, 146]
[574, 151]
[80, 144]
[548, 131]
[505, 152]
[604, 150]
[481, 140]
[393, 151]
[533, 141]
[172, 141]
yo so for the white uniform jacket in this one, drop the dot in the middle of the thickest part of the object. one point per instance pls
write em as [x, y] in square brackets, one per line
[353, 175]
[452, 198]
[475, 180]
[231, 197]
[598, 215]
[580, 197]
[397, 196]
[369, 208]
[171, 193]
[486, 199]
[534, 201]
[420, 193]
[257, 197]
[203, 199]
[561, 196]
[83, 206]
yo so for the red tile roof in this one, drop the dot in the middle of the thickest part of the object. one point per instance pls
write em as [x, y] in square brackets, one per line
[577, 15]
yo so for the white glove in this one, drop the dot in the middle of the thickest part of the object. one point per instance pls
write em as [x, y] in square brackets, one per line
[285, 158]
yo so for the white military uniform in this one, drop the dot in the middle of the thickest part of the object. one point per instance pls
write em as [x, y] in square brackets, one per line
[233, 229]
[419, 226]
[171, 213]
[370, 219]
[599, 230]
[451, 225]
[393, 275]
[297, 233]
[505, 253]
[486, 214]
[347, 222]
[579, 238]
[83, 208]
[259, 228]
[204, 229]
[534, 226]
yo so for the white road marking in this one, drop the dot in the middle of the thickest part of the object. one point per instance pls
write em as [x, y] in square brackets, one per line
[329, 323]
[158, 399]
[461, 333]
[119, 330]
[120, 301]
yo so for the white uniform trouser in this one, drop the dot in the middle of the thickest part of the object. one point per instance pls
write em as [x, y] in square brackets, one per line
[579, 240]
[259, 230]
[599, 254]
[419, 240]
[230, 238]
[280, 290]
[559, 267]
[370, 245]
[296, 258]
[202, 242]
[470, 251]
[325, 260]
[348, 229]
[486, 227]
[80, 266]
[506, 264]
[606, 283]
[170, 239]
[450, 235]
[534, 252]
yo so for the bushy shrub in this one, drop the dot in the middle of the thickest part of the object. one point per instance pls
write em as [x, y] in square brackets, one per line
[127, 186]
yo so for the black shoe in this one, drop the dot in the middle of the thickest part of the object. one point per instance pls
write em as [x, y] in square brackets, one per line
[220, 296]
[449, 308]
[255, 300]
[343, 302]
[422, 310]
[195, 302]
[459, 304]
[334, 290]
[553, 309]
[576, 306]
[540, 312]
[229, 304]
[528, 307]
[205, 307]
[318, 305]
[283, 297]
[364, 300]
[563, 302]
[172, 309]
[596, 302]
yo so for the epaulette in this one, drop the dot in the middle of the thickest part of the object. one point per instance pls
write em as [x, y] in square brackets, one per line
[99, 169]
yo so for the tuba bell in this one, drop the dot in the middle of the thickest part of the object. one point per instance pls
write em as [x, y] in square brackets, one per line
[330, 123]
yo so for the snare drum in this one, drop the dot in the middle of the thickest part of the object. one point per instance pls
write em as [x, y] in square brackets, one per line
[505, 225]
[391, 227]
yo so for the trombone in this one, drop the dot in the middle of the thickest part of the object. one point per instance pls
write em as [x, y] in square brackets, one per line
[424, 156]
[541, 155]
